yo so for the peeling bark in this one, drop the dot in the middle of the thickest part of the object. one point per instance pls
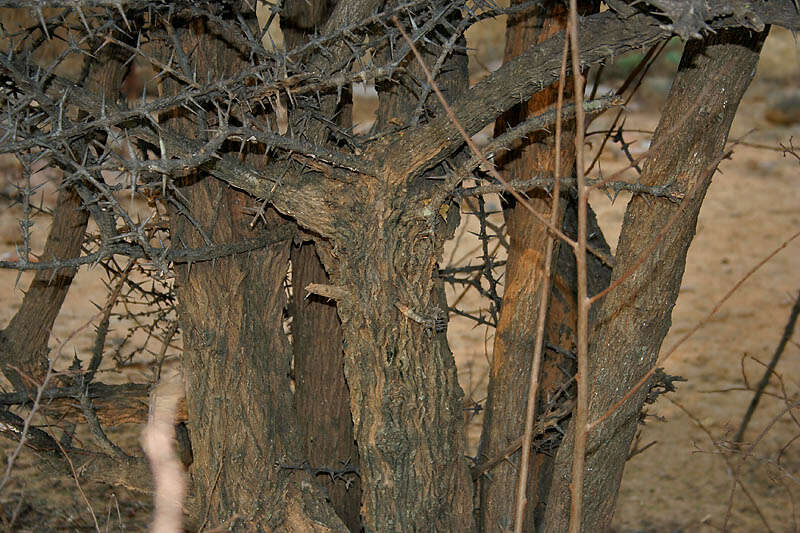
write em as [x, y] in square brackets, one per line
[516, 330]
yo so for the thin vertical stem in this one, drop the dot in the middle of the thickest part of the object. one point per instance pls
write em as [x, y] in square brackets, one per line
[544, 298]
[787, 335]
[582, 378]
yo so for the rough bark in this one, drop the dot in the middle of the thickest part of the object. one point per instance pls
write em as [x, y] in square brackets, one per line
[515, 338]
[636, 315]
[405, 398]
[236, 358]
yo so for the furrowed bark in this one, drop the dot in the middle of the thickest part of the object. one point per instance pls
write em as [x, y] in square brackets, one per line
[405, 397]
[236, 366]
[321, 394]
[242, 423]
[636, 315]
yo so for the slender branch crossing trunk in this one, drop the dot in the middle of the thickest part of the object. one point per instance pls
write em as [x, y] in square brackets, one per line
[636, 315]
[516, 335]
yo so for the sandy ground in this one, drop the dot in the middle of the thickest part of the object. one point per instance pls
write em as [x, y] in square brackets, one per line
[682, 482]
[752, 207]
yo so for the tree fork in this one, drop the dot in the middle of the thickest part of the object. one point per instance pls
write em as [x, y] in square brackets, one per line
[405, 397]
[635, 316]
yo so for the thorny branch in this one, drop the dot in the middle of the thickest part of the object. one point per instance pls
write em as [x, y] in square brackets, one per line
[126, 162]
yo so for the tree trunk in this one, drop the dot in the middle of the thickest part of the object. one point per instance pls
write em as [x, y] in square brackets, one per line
[405, 397]
[636, 315]
[242, 423]
[236, 368]
[23, 343]
[321, 394]
[516, 330]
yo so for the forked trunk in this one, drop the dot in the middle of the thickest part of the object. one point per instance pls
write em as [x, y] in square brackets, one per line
[636, 315]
